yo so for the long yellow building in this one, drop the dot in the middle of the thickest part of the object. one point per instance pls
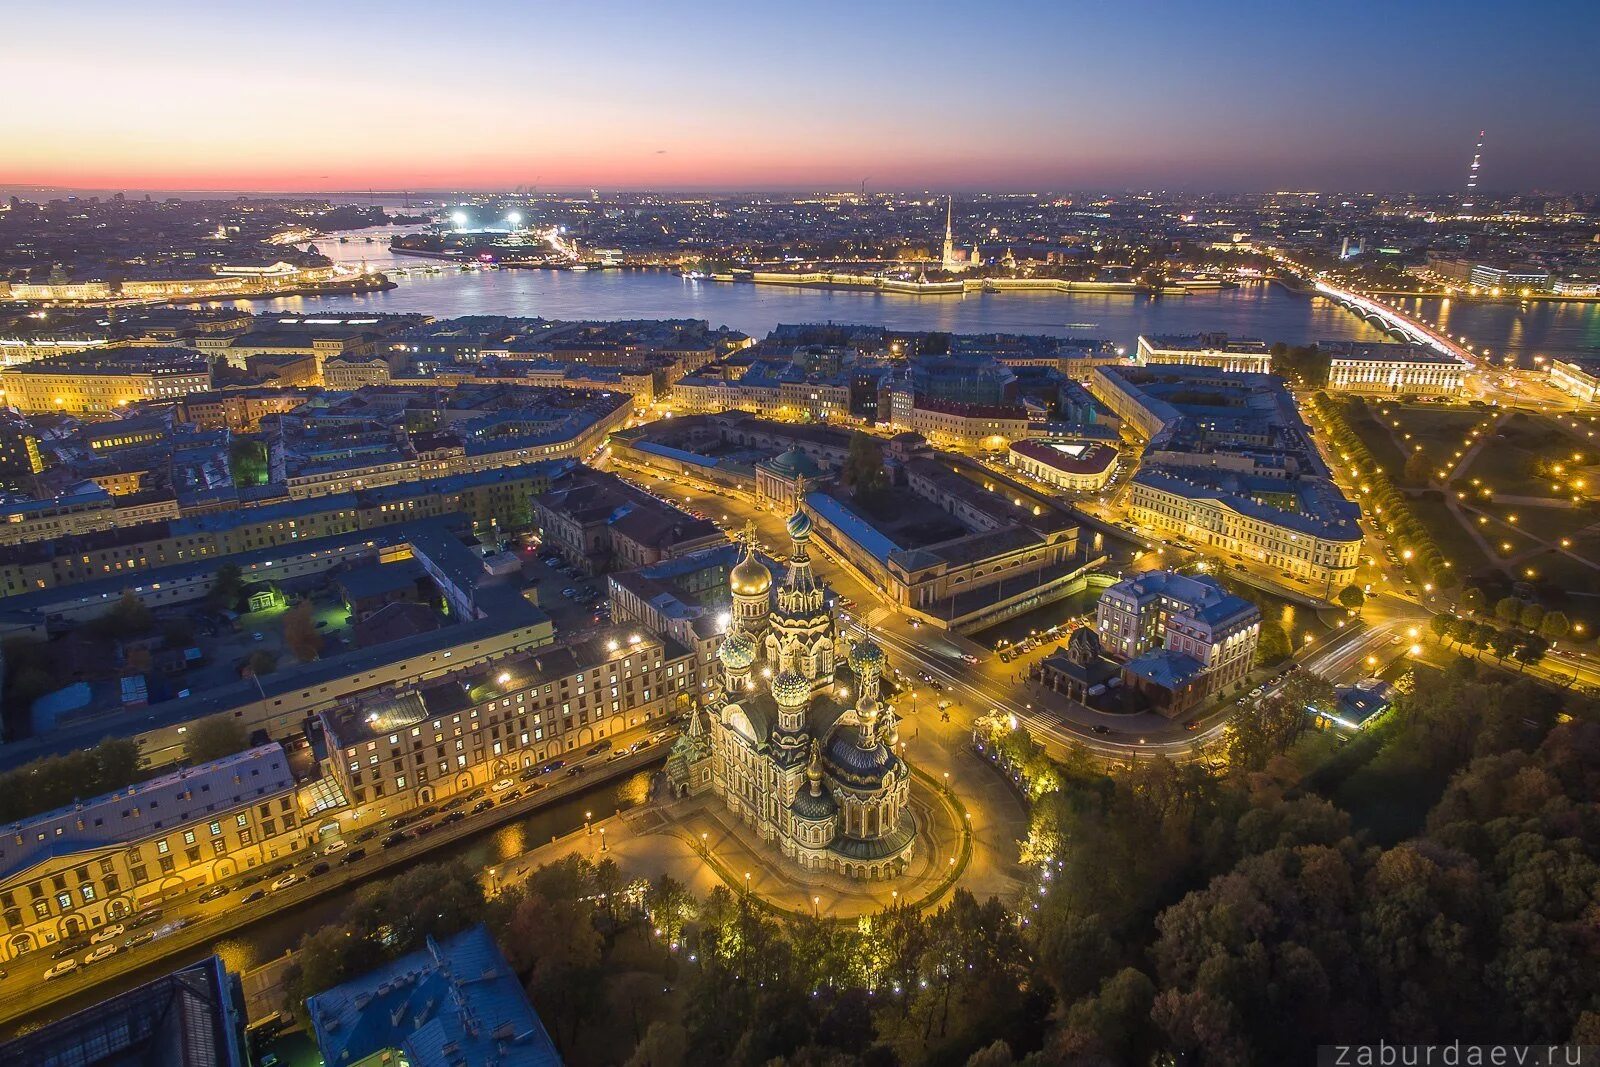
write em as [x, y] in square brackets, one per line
[105, 382]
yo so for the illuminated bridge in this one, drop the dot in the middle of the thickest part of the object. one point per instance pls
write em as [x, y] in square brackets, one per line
[1395, 322]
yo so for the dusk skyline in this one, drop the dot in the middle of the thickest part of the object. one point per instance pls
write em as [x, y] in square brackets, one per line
[1247, 97]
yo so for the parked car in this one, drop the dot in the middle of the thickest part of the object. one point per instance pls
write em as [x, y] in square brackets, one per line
[334, 847]
[145, 918]
[286, 881]
[453, 817]
[596, 749]
[65, 967]
[502, 785]
[69, 948]
[100, 952]
[255, 895]
[575, 770]
[483, 805]
[509, 797]
[353, 855]
[142, 938]
[214, 893]
[318, 868]
[115, 930]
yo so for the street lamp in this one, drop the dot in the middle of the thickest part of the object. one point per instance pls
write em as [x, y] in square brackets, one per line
[602, 839]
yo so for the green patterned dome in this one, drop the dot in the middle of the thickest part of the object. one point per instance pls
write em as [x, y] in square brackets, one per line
[865, 655]
[790, 689]
[799, 525]
[738, 651]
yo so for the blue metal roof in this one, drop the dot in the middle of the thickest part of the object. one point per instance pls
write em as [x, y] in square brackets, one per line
[448, 1004]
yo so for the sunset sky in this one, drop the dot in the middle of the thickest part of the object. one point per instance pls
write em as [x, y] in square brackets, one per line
[403, 95]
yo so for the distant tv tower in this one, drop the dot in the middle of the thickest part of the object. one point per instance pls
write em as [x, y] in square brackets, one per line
[1472, 176]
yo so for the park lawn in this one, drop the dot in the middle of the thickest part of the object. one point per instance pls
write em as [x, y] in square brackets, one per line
[1587, 546]
[1505, 464]
[1453, 540]
[1440, 430]
[1548, 524]
[1556, 570]
[1363, 421]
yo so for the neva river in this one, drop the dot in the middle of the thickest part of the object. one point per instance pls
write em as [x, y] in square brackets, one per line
[1269, 312]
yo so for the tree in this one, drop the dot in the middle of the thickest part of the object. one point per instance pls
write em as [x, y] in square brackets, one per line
[128, 617]
[1443, 626]
[1352, 597]
[247, 459]
[1472, 599]
[1503, 643]
[56, 781]
[1531, 648]
[665, 1044]
[1508, 609]
[670, 905]
[261, 663]
[213, 737]
[1272, 643]
[1555, 627]
[1418, 468]
[226, 587]
[864, 472]
[1250, 964]
[1532, 615]
[300, 635]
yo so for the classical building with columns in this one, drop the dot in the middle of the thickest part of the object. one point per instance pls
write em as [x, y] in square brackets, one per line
[793, 736]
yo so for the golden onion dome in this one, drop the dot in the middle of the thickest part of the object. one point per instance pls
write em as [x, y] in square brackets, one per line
[749, 577]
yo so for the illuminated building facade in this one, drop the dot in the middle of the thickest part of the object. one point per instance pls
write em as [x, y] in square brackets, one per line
[105, 382]
[77, 869]
[428, 740]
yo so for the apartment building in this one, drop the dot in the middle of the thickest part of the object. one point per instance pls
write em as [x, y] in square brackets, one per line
[419, 744]
[74, 870]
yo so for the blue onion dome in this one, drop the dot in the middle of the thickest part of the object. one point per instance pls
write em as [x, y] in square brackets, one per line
[813, 807]
[865, 655]
[750, 577]
[790, 689]
[799, 525]
[738, 651]
[862, 768]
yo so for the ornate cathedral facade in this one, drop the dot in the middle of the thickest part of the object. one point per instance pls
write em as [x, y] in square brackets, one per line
[793, 736]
